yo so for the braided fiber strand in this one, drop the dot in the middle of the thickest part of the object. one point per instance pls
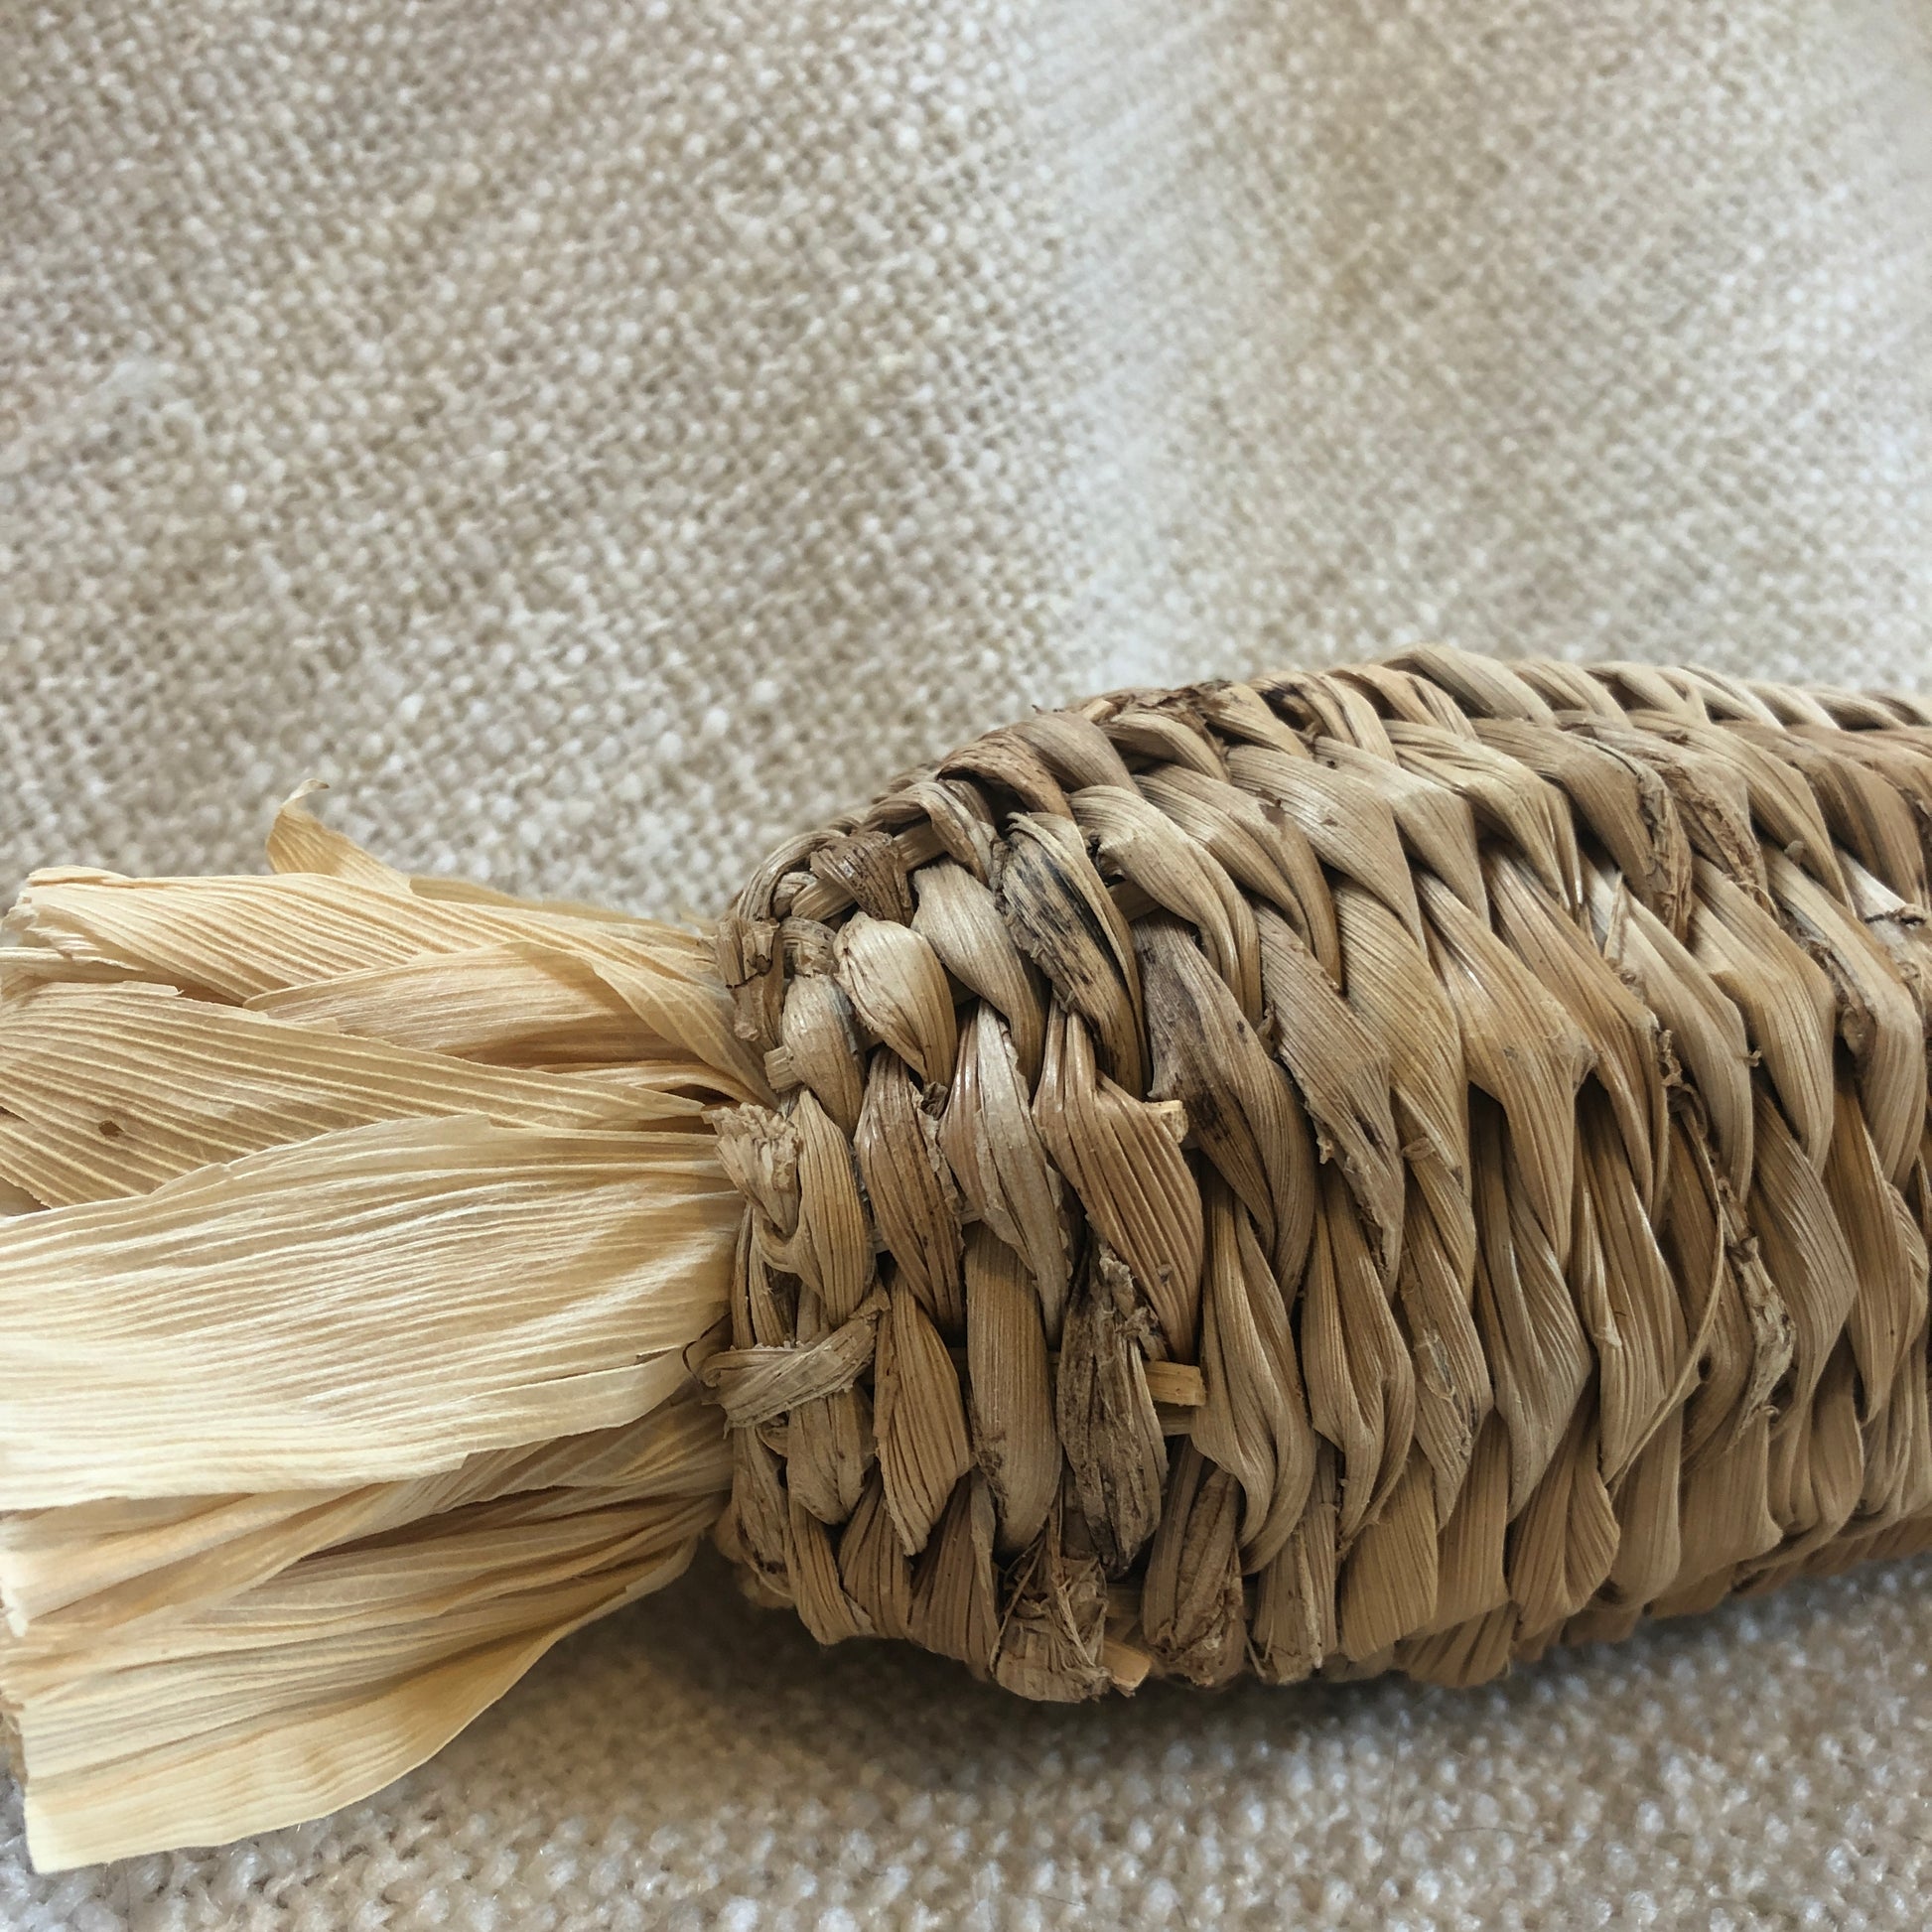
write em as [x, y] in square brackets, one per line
[1379, 1170]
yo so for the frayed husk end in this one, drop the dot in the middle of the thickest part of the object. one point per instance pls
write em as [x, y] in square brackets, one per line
[360, 1239]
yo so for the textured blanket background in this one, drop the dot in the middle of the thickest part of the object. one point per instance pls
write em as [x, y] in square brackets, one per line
[605, 437]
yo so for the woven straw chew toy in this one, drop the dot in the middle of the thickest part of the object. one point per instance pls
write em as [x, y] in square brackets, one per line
[1381, 1169]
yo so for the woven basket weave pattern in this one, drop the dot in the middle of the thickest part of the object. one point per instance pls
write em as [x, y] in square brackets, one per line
[1385, 1168]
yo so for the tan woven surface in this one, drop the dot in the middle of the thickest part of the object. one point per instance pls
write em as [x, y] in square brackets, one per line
[1431, 1160]
[485, 410]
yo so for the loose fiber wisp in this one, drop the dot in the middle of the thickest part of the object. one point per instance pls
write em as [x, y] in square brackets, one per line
[1379, 1170]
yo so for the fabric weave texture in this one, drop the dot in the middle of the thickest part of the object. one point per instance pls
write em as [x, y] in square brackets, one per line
[604, 439]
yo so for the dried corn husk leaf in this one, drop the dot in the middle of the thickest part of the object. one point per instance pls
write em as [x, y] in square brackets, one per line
[955, 1596]
[759, 1151]
[832, 1249]
[1567, 686]
[1899, 1449]
[754, 1385]
[1012, 1393]
[1505, 797]
[1059, 911]
[1470, 1575]
[323, 1683]
[820, 1034]
[1742, 1338]
[868, 868]
[1904, 760]
[71, 1572]
[233, 938]
[1624, 1292]
[1711, 796]
[510, 1006]
[1866, 816]
[958, 918]
[1483, 686]
[1238, 711]
[1466, 1654]
[1351, 826]
[1803, 1248]
[955, 812]
[1899, 926]
[1621, 800]
[1260, 847]
[241, 938]
[1192, 1608]
[1629, 1054]
[874, 1570]
[1241, 1111]
[1407, 698]
[1343, 1077]
[1254, 1421]
[244, 1579]
[1650, 1527]
[1165, 731]
[1394, 992]
[813, 1579]
[1008, 759]
[1294, 1630]
[1332, 706]
[828, 1440]
[1706, 1030]
[1437, 824]
[1388, 1584]
[1564, 1540]
[1816, 1465]
[1120, 1159]
[1520, 1048]
[994, 1149]
[1075, 748]
[897, 986]
[297, 841]
[1535, 1345]
[923, 1449]
[1888, 1255]
[1786, 998]
[211, 1336]
[1053, 1634]
[1435, 1288]
[910, 1187]
[1104, 1414]
[1360, 1381]
[1781, 803]
[751, 962]
[113, 1089]
[1879, 1020]
[1136, 839]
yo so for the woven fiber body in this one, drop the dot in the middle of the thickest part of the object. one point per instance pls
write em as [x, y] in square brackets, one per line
[1386, 1169]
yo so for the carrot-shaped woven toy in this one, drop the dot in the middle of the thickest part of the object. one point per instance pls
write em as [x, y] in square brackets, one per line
[1388, 1168]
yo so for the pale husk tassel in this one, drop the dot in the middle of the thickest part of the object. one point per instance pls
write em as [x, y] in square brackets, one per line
[366, 1240]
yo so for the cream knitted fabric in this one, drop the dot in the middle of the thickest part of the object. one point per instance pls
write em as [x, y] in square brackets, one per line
[468, 404]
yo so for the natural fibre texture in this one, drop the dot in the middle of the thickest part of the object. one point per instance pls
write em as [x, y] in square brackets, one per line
[357, 1235]
[1393, 1168]
[1380, 1169]
[604, 439]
